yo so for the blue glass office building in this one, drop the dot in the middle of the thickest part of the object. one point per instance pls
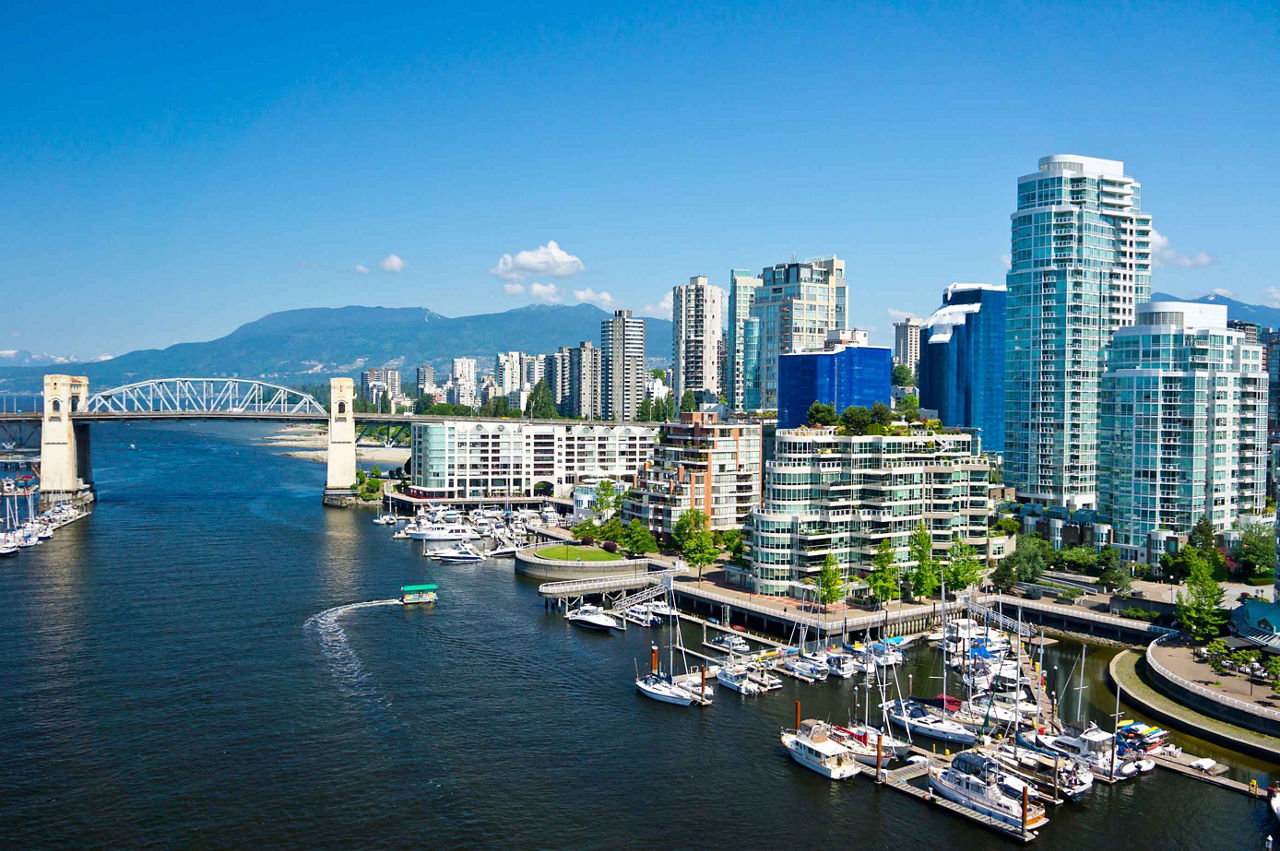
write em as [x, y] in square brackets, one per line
[842, 376]
[962, 361]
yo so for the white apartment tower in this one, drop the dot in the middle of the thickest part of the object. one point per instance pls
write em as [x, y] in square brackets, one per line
[697, 313]
[1080, 264]
[463, 378]
[1183, 431]
[622, 371]
[906, 342]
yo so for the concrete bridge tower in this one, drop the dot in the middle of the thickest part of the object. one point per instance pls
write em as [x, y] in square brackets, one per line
[342, 438]
[65, 465]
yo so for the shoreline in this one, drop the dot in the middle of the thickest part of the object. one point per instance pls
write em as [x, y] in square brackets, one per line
[310, 443]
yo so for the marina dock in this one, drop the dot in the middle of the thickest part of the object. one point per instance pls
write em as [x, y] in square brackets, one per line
[901, 780]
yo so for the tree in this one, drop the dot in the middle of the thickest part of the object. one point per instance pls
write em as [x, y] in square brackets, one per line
[903, 376]
[909, 407]
[660, 374]
[612, 529]
[925, 575]
[688, 401]
[963, 567]
[882, 413]
[1198, 612]
[384, 403]
[1257, 549]
[1108, 559]
[1006, 526]
[1029, 558]
[585, 529]
[1116, 578]
[1272, 667]
[732, 543]
[607, 499]
[645, 412]
[699, 548]
[1202, 535]
[883, 578]
[828, 582]
[856, 419]
[687, 523]
[542, 405]
[498, 406]
[1004, 576]
[638, 540]
[1076, 559]
[821, 415]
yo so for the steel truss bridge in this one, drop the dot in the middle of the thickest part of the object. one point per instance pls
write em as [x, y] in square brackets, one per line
[226, 396]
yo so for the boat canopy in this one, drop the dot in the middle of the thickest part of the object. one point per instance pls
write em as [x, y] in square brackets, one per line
[418, 588]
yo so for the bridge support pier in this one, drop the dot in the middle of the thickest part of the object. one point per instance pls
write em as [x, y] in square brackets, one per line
[340, 478]
[66, 467]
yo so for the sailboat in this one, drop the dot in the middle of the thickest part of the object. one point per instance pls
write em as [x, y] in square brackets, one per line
[666, 687]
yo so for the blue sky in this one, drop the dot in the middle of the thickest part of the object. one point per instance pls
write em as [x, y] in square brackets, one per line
[169, 174]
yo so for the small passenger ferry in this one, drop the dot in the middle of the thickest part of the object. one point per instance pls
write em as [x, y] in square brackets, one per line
[411, 594]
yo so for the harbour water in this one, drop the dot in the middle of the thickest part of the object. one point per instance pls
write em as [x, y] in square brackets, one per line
[210, 659]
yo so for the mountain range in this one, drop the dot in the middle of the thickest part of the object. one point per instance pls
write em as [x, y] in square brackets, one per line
[310, 345]
[1259, 314]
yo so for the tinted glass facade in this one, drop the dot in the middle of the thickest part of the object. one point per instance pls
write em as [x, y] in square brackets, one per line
[962, 361]
[848, 375]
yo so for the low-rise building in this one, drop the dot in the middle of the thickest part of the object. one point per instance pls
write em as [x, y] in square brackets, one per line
[700, 463]
[469, 458]
[828, 493]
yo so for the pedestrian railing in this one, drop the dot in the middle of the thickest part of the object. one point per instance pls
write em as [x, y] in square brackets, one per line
[1196, 688]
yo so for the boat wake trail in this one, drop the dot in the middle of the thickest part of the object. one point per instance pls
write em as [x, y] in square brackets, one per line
[343, 661]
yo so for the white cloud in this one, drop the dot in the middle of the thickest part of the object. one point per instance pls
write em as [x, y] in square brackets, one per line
[362, 269]
[1222, 291]
[900, 314]
[1271, 297]
[602, 300]
[549, 259]
[545, 292]
[1164, 254]
[661, 310]
[1007, 260]
[513, 288]
[392, 263]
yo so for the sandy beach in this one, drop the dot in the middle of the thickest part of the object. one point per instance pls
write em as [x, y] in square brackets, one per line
[309, 442]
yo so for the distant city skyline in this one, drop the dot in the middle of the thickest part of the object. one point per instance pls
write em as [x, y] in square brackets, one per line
[172, 175]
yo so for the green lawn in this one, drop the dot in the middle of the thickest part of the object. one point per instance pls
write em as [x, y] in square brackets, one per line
[573, 552]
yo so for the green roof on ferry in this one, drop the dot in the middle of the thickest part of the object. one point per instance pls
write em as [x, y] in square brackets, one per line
[418, 588]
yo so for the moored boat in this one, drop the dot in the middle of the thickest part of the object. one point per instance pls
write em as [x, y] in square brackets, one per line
[592, 617]
[974, 783]
[813, 747]
[738, 678]
[917, 720]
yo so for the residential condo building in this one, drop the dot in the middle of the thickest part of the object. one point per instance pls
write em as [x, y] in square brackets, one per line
[1080, 265]
[585, 382]
[841, 495]
[906, 342]
[1183, 430]
[463, 381]
[700, 463]
[795, 306]
[622, 370]
[462, 458]
[847, 372]
[697, 314]
[742, 294]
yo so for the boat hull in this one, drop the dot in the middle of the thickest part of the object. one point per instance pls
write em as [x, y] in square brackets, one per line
[957, 796]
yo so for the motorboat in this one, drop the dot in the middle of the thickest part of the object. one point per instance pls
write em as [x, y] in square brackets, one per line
[762, 676]
[738, 678]
[662, 609]
[885, 655]
[813, 747]
[385, 520]
[841, 665]
[8, 550]
[592, 617]
[973, 782]
[731, 643]
[549, 516]
[459, 554]
[418, 594]
[916, 719]
[504, 551]
[639, 613]
[441, 532]
[658, 687]
[1092, 747]
[812, 669]
[696, 683]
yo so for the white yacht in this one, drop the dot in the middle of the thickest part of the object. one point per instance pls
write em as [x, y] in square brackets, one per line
[1074, 780]
[441, 532]
[842, 665]
[807, 667]
[1092, 747]
[662, 609]
[870, 738]
[385, 520]
[461, 553]
[812, 747]
[973, 781]
[639, 613]
[738, 678]
[592, 617]
[915, 719]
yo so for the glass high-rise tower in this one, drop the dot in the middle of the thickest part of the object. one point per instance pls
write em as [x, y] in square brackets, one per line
[1081, 262]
